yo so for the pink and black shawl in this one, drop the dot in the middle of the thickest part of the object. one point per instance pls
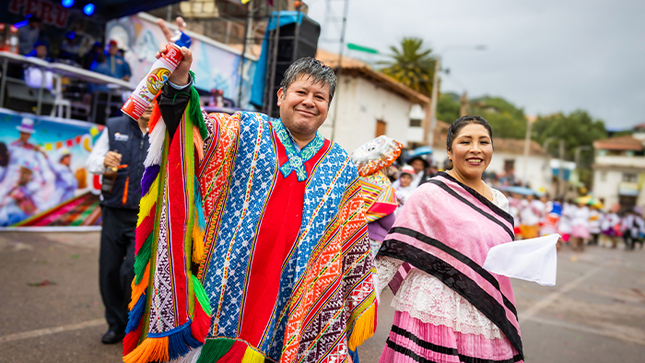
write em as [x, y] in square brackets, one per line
[446, 230]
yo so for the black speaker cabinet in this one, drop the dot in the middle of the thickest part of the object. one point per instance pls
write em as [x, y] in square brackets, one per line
[296, 41]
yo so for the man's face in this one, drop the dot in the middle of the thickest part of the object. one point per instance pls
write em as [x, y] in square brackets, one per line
[41, 51]
[145, 116]
[112, 49]
[304, 106]
[66, 160]
[417, 165]
[24, 136]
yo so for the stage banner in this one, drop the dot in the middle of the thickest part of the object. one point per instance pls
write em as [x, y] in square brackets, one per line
[43, 178]
[216, 65]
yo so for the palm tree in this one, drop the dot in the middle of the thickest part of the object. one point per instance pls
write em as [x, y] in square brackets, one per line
[411, 65]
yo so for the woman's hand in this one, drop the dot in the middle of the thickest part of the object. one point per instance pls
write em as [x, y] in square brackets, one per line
[181, 26]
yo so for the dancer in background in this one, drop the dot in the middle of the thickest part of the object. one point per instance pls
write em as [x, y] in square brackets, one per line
[565, 228]
[404, 188]
[515, 205]
[530, 213]
[630, 229]
[580, 226]
[595, 219]
[611, 227]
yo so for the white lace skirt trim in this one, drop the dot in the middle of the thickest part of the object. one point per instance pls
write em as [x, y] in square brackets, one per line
[426, 298]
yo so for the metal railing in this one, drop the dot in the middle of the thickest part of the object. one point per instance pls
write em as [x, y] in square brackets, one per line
[59, 71]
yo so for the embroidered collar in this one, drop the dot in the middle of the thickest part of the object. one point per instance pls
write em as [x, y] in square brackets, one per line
[297, 158]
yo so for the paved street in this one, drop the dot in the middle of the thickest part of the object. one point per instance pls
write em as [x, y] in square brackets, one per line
[52, 310]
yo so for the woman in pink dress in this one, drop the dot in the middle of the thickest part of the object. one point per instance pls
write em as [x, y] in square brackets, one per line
[448, 308]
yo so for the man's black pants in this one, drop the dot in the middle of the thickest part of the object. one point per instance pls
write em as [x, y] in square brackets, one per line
[116, 264]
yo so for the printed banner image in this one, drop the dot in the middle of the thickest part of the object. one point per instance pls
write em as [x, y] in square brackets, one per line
[43, 179]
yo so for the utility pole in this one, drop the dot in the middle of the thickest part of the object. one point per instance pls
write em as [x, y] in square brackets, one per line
[577, 154]
[463, 104]
[527, 149]
[561, 190]
[274, 57]
[429, 134]
[433, 100]
[248, 26]
[327, 27]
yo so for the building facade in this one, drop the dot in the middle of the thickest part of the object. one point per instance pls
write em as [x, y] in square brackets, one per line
[367, 104]
[619, 170]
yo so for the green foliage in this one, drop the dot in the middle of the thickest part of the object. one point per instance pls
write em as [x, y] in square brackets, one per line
[506, 120]
[576, 129]
[622, 133]
[448, 107]
[411, 65]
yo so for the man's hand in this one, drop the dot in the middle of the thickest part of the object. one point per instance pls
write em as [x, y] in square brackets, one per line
[40, 150]
[112, 160]
[180, 76]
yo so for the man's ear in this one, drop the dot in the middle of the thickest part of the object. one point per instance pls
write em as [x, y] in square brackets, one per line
[280, 95]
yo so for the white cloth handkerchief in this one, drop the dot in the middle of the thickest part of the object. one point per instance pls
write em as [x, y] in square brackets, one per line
[532, 259]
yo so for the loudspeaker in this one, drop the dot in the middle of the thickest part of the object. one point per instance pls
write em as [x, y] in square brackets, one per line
[22, 98]
[295, 41]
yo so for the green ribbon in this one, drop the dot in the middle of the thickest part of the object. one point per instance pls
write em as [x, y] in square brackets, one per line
[297, 160]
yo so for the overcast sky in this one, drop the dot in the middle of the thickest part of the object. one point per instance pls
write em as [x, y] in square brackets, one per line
[544, 56]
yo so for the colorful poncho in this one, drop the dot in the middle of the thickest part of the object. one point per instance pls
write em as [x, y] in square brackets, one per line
[277, 238]
[446, 230]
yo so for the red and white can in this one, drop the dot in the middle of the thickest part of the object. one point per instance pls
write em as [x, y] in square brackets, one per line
[152, 83]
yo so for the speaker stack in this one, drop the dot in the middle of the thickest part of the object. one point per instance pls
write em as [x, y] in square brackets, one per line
[296, 40]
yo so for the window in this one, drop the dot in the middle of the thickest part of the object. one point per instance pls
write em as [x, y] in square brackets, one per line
[415, 123]
[630, 178]
[603, 176]
[381, 128]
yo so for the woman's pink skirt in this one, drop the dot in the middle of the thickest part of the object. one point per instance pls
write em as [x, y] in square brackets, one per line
[413, 341]
[580, 231]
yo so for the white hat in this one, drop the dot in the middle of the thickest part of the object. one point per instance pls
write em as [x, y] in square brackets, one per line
[407, 169]
[27, 125]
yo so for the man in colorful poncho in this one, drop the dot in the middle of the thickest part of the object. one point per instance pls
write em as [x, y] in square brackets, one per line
[252, 240]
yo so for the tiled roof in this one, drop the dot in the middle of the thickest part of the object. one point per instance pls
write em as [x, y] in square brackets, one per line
[356, 67]
[620, 143]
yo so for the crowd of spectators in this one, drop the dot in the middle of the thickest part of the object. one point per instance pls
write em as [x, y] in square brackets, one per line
[108, 60]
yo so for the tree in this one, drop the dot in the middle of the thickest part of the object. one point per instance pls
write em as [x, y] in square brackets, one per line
[411, 65]
[506, 120]
[576, 129]
[448, 107]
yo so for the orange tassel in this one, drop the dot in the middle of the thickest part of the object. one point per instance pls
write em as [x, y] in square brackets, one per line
[138, 290]
[150, 350]
[155, 115]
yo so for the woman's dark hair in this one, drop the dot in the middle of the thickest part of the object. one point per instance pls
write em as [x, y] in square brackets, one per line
[459, 124]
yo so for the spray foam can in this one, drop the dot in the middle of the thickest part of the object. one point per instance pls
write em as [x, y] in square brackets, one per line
[152, 83]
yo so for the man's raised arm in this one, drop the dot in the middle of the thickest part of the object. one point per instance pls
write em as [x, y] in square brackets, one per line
[176, 92]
